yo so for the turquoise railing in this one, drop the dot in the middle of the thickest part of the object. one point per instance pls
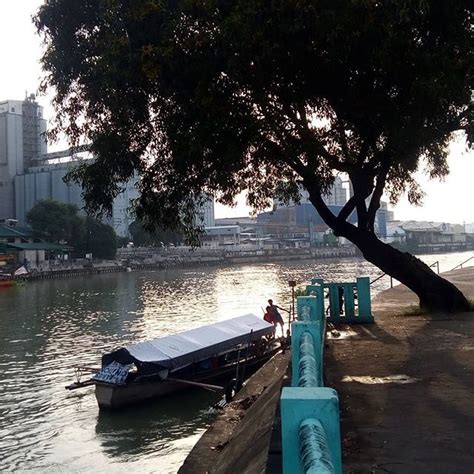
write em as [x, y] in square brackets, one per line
[309, 411]
[342, 298]
[308, 370]
[314, 448]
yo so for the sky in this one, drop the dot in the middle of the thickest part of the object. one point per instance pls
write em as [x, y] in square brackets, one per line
[20, 49]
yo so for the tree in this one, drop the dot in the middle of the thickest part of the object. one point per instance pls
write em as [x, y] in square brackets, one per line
[157, 238]
[56, 221]
[61, 223]
[99, 239]
[224, 96]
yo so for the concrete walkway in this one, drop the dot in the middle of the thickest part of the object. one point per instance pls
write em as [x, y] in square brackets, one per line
[406, 387]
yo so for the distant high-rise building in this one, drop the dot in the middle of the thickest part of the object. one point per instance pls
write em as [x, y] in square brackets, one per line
[205, 214]
[336, 197]
[122, 215]
[21, 143]
[27, 174]
[45, 182]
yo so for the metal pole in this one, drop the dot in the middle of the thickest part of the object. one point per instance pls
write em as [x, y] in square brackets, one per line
[293, 302]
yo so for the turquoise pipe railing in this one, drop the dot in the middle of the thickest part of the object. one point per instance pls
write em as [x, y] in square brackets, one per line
[305, 313]
[307, 346]
[309, 411]
[316, 457]
[307, 365]
[310, 427]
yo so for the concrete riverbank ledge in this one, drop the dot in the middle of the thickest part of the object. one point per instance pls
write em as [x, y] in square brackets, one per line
[239, 439]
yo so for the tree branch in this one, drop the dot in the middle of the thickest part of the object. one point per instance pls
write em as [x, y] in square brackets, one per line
[347, 209]
[308, 136]
[377, 195]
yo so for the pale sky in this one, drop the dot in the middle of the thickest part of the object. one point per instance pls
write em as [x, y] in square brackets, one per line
[448, 201]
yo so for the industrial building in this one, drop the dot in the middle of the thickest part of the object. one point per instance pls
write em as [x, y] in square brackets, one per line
[29, 174]
[21, 144]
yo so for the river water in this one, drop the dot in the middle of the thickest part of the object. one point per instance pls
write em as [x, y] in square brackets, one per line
[47, 328]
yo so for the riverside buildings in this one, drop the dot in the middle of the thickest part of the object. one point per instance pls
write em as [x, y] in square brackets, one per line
[300, 223]
[29, 174]
[47, 182]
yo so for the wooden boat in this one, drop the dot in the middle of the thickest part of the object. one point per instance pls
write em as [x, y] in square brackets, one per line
[218, 352]
[6, 281]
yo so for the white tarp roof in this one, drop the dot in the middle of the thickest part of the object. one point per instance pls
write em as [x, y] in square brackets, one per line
[198, 344]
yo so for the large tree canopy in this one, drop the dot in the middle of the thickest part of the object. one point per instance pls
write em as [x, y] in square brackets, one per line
[222, 96]
[62, 223]
[56, 221]
[157, 238]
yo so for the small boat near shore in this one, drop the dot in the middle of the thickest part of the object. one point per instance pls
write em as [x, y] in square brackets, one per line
[199, 357]
[6, 281]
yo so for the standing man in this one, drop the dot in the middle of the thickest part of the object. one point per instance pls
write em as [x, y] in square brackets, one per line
[276, 314]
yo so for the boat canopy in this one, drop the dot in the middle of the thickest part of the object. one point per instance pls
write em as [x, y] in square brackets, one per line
[181, 349]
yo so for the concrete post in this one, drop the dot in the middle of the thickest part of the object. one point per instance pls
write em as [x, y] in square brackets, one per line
[314, 304]
[318, 292]
[363, 295]
[300, 404]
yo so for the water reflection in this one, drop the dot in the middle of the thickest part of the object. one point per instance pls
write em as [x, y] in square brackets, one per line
[151, 427]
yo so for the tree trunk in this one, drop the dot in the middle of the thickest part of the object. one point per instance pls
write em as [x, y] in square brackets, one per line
[435, 293]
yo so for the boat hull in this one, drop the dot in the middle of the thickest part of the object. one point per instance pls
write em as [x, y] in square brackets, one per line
[116, 396]
[7, 283]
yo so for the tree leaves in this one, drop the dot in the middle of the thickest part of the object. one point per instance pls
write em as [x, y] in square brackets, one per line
[61, 223]
[222, 96]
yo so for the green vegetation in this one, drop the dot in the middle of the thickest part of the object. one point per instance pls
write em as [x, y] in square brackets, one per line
[56, 221]
[264, 96]
[157, 238]
[61, 223]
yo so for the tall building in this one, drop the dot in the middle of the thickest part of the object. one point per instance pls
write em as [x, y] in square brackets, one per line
[205, 213]
[336, 197]
[26, 176]
[121, 209]
[304, 213]
[21, 143]
[44, 182]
